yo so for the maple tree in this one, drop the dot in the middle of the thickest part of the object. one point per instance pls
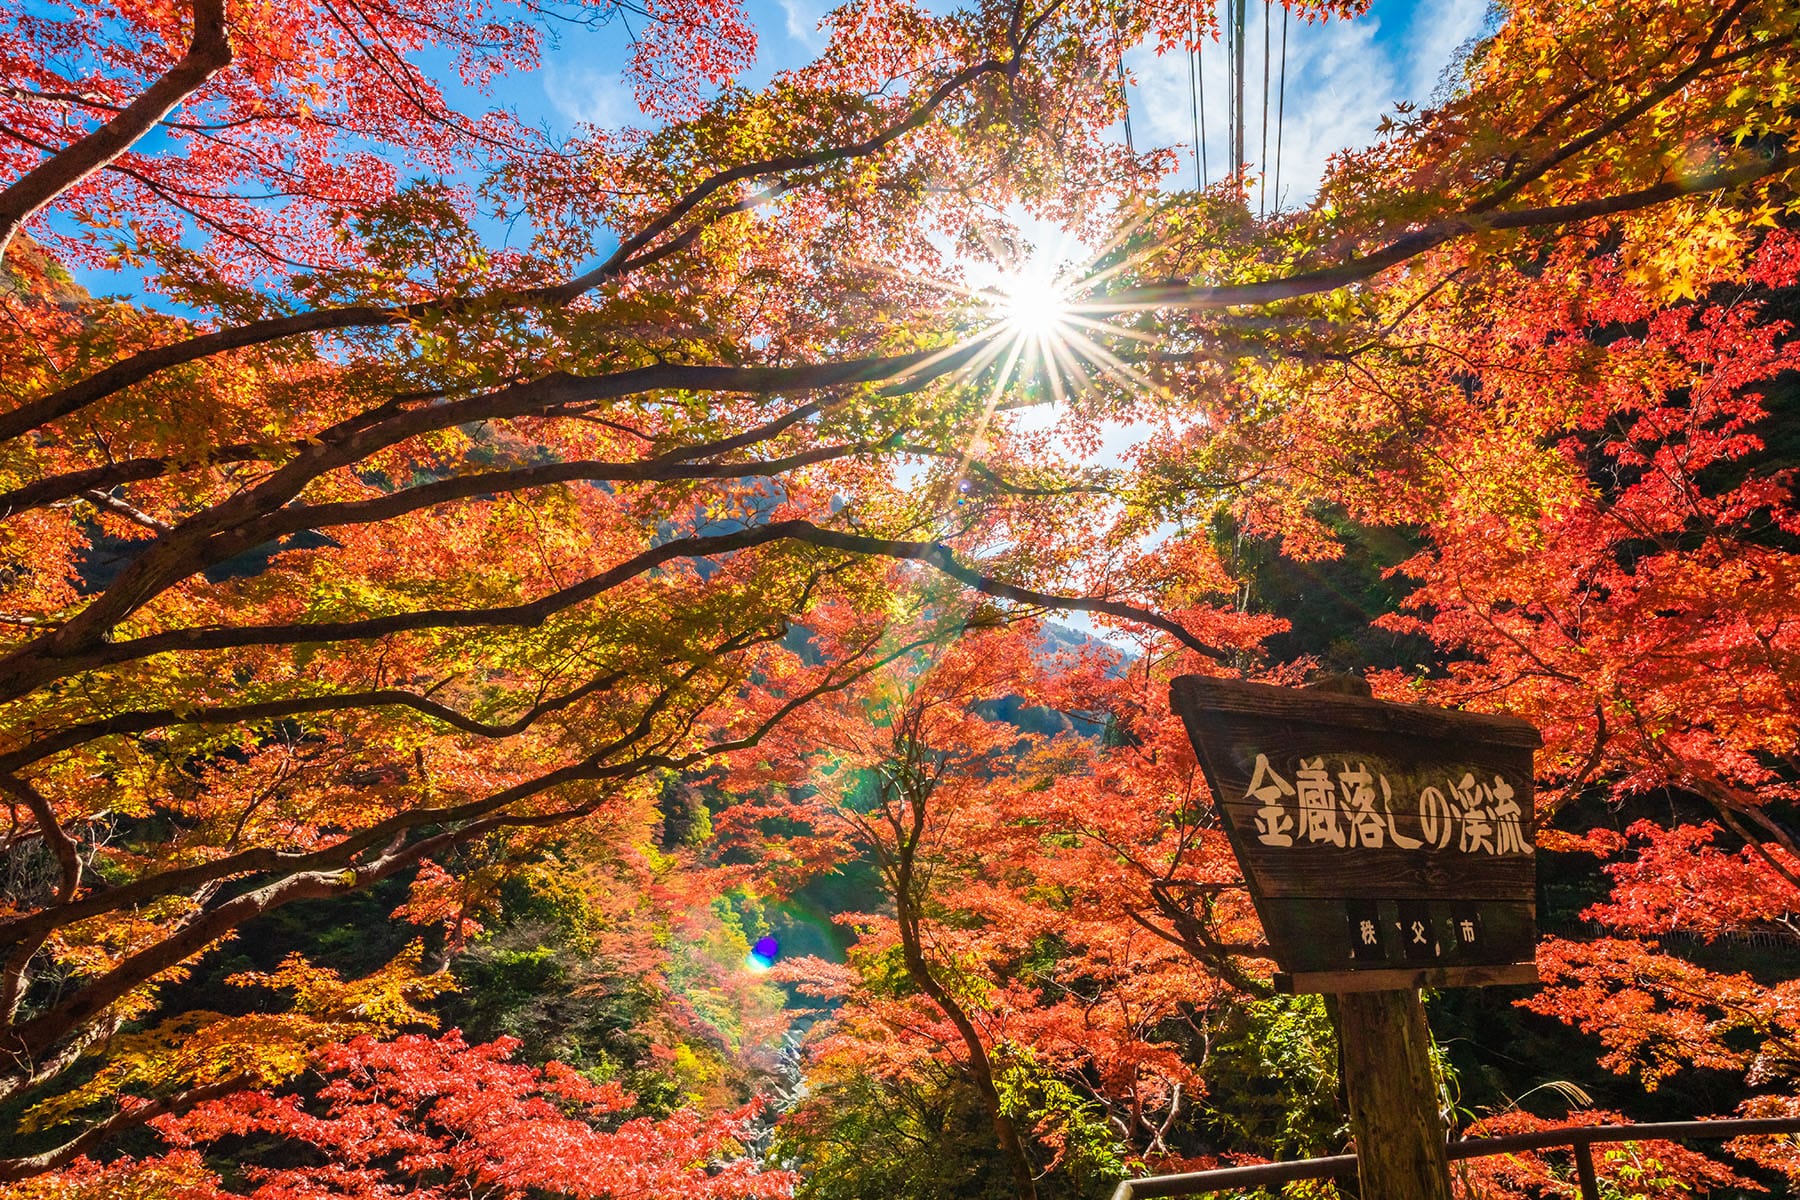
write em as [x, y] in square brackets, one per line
[293, 103]
[439, 1117]
[411, 559]
[969, 959]
[1619, 569]
[1578, 431]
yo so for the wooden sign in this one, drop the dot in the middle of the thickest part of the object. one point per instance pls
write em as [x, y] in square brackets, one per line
[1384, 845]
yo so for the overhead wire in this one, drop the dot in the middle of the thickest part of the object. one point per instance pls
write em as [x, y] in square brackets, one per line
[1243, 32]
[1197, 94]
[1281, 104]
[1124, 94]
[1262, 158]
[1234, 90]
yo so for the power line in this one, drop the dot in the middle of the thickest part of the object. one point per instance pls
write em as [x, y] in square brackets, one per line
[1237, 88]
[1124, 94]
[1230, 78]
[1281, 104]
[1262, 158]
[1197, 93]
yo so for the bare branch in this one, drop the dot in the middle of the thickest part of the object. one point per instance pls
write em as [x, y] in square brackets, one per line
[121, 507]
[67, 486]
[52, 831]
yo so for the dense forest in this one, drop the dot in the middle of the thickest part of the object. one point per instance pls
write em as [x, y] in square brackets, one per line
[635, 661]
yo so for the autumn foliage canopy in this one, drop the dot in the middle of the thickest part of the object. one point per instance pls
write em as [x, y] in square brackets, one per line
[458, 581]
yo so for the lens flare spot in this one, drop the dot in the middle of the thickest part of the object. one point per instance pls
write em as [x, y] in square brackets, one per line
[763, 954]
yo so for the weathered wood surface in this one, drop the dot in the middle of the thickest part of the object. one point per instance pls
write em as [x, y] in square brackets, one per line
[1403, 979]
[1338, 711]
[1371, 834]
[1400, 1147]
[1387, 873]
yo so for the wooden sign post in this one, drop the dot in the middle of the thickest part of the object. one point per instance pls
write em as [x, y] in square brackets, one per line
[1387, 847]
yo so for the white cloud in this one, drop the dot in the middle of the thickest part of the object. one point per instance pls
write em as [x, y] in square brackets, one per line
[803, 17]
[1445, 26]
[581, 92]
[1341, 77]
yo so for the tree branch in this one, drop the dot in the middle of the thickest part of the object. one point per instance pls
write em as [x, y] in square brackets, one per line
[67, 858]
[26, 674]
[147, 720]
[1703, 59]
[207, 53]
[1411, 245]
[70, 484]
[630, 255]
[331, 872]
[407, 500]
[15, 1169]
[202, 541]
[185, 880]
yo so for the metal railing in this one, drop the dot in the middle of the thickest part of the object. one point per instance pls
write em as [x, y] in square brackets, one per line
[1580, 1138]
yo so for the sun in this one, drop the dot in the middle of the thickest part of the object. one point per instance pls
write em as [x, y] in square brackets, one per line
[1034, 306]
[1045, 324]
[1039, 325]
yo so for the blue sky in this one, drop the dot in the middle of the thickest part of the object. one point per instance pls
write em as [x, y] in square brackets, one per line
[1341, 77]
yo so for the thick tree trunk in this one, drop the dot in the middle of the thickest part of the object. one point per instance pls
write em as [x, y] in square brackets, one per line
[1393, 1096]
